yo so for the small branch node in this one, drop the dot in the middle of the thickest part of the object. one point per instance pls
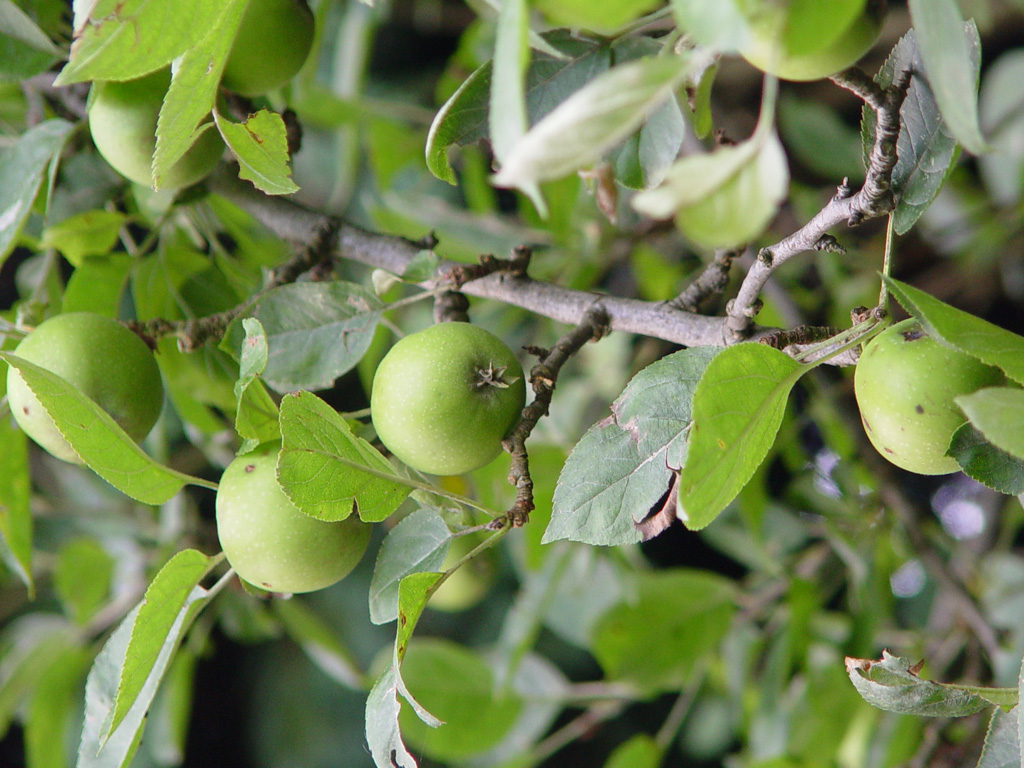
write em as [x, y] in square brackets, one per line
[451, 306]
[829, 244]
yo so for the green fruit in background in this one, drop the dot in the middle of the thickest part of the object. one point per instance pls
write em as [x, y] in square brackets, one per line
[443, 399]
[269, 542]
[122, 121]
[810, 39]
[271, 46]
[467, 586]
[905, 383]
[100, 358]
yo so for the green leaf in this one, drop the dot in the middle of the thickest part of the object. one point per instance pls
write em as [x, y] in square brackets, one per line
[998, 412]
[52, 707]
[591, 121]
[1001, 110]
[458, 687]
[725, 197]
[1020, 713]
[29, 645]
[413, 592]
[417, 544]
[951, 67]
[737, 410]
[382, 705]
[925, 148]
[193, 89]
[315, 332]
[81, 578]
[98, 284]
[256, 418]
[15, 490]
[982, 461]
[170, 604]
[623, 466]
[261, 146]
[327, 471]
[96, 437]
[657, 636]
[21, 172]
[382, 734]
[550, 80]
[507, 105]
[90, 233]
[892, 684]
[971, 335]
[125, 39]
[319, 642]
[25, 50]
[639, 751]
[1002, 742]
[171, 712]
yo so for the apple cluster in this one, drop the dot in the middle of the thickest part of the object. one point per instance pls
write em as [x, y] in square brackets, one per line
[272, 43]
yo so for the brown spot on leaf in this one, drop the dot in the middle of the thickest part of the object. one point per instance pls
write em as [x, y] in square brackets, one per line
[919, 408]
[250, 467]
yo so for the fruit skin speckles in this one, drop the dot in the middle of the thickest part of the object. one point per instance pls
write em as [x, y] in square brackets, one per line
[905, 384]
[443, 399]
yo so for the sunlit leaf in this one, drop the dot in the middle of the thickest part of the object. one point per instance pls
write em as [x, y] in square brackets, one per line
[96, 437]
[261, 146]
[327, 471]
[725, 197]
[998, 413]
[737, 410]
[163, 615]
[125, 39]
[968, 333]
[591, 121]
[193, 89]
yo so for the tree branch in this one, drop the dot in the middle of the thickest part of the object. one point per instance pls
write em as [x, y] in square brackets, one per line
[875, 197]
[290, 221]
[542, 378]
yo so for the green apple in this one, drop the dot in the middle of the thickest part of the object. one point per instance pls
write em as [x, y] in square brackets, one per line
[810, 39]
[271, 46]
[905, 383]
[443, 399]
[99, 357]
[122, 121]
[269, 542]
[466, 586]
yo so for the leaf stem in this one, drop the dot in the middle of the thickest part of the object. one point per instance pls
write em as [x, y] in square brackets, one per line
[883, 293]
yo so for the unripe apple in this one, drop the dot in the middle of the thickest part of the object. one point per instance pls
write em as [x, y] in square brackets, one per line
[101, 359]
[467, 586]
[809, 39]
[122, 121]
[269, 542]
[443, 399]
[905, 383]
[272, 44]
